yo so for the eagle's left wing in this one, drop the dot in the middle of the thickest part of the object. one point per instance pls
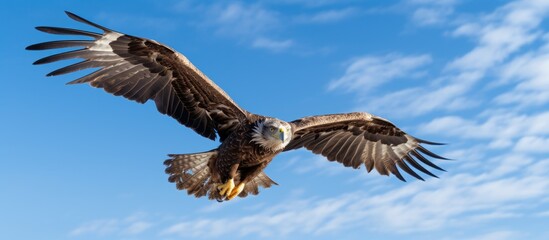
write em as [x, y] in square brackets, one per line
[354, 139]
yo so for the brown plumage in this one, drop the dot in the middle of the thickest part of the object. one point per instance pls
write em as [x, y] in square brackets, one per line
[140, 69]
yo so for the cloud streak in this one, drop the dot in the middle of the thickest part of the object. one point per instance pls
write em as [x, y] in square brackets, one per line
[328, 16]
[131, 225]
[271, 44]
[429, 12]
[500, 129]
[238, 19]
[366, 73]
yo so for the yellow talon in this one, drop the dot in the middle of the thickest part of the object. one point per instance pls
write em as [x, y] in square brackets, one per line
[226, 188]
[237, 190]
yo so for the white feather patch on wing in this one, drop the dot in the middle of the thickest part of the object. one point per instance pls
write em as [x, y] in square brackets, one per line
[103, 44]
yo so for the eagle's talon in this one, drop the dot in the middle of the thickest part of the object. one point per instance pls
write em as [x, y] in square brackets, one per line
[226, 188]
[237, 190]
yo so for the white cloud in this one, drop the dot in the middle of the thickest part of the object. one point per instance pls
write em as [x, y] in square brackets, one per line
[369, 72]
[307, 3]
[544, 214]
[238, 19]
[304, 216]
[136, 228]
[535, 97]
[248, 23]
[533, 144]
[434, 2]
[131, 225]
[496, 44]
[504, 31]
[271, 44]
[430, 16]
[447, 94]
[332, 15]
[500, 129]
[498, 235]
[97, 227]
[529, 72]
[431, 12]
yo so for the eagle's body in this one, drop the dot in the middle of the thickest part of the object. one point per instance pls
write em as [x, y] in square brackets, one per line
[140, 69]
[242, 156]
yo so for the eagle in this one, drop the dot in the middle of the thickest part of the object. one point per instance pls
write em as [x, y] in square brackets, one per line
[141, 69]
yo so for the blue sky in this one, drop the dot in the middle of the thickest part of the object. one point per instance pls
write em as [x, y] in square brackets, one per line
[78, 163]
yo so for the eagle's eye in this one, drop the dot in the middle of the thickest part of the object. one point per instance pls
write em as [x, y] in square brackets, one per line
[271, 129]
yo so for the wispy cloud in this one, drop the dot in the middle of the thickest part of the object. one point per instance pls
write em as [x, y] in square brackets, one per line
[271, 44]
[366, 73]
[501, 129]
[534, 144]
[499, 235]
[309, 3]
[332, 15]
[529, 72]
[431, 12]
[97, 227]
[302, 216]
[253, 24]
[131, 225]
[239, 19]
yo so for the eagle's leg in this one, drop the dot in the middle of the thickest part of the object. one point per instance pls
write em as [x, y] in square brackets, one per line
[246, 174]
[226, 188]
[236, 190]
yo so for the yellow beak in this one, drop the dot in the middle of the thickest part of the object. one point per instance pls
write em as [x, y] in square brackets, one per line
[281, 134]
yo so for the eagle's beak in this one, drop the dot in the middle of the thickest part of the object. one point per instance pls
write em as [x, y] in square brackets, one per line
[281, 134]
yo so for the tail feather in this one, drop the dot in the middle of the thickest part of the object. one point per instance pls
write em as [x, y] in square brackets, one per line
[192, 172]
[252, 187]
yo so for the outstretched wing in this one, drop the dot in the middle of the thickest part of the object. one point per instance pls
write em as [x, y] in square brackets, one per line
[354, 139]
[141, 69]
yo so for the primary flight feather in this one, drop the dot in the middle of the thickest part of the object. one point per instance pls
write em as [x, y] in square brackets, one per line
[141, 69]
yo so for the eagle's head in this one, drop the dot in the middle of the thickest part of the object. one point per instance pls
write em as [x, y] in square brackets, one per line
[272, 133]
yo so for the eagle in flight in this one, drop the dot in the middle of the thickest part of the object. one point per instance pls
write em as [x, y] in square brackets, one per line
[141, 69]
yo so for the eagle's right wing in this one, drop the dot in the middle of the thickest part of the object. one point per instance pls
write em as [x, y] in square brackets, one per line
[356, 139]
[141, 69]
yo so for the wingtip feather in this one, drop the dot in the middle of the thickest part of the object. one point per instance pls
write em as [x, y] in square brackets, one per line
[72, 15]
[41, 28]
[429, 153]
[33, 47]
[429, 142]
[83, 20]
[72, 83]
[40, 61]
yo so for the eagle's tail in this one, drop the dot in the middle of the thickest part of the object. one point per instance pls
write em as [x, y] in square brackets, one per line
[192, 172]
